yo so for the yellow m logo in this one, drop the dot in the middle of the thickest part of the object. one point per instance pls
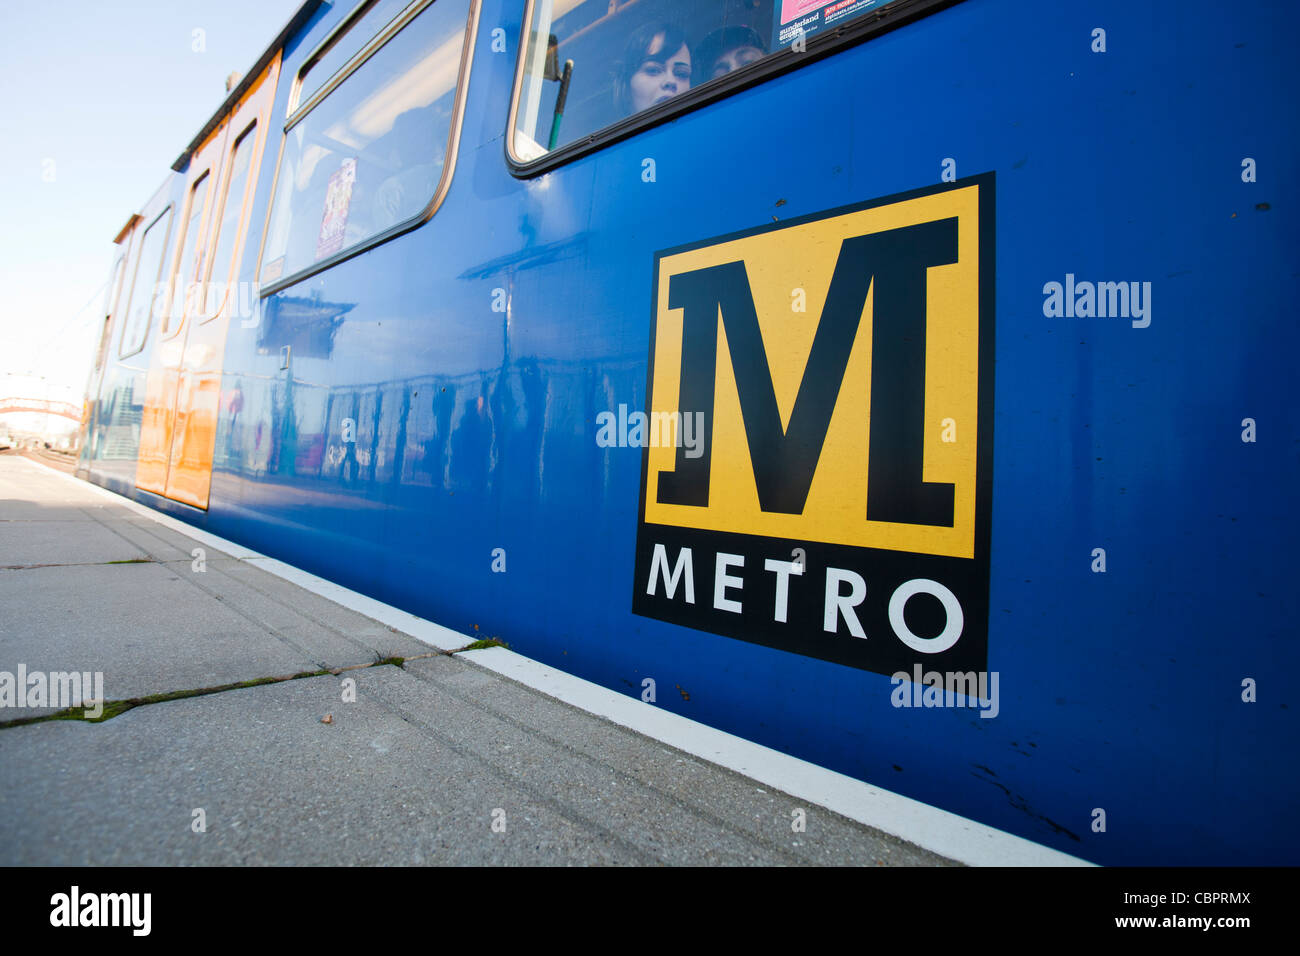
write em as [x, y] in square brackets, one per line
[853, 422]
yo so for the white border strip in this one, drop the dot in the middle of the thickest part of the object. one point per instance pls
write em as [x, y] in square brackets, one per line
[931, 828]
[926, 826]
[438, 636]
[443, 638]
[167, 521]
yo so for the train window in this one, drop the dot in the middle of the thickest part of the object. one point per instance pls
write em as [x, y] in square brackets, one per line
[115, 287]
[589, 66]
[228, 225]
[145, 300]
[372, 157]
[343, 44]
[198, 192]
[110, 302]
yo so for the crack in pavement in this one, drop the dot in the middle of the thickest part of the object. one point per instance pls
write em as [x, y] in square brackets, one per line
[114, 708]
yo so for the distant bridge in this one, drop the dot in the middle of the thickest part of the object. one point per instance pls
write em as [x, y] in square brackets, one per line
[41, 407]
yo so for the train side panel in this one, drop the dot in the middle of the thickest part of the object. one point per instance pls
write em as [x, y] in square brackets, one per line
[1139, 467]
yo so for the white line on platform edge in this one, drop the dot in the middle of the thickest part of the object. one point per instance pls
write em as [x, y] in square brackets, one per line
[926, 826]
[436, 635]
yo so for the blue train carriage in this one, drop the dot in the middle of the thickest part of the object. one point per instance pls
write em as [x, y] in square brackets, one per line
[793, 365]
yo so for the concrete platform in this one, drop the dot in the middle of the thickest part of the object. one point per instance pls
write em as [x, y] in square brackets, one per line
[416, 770]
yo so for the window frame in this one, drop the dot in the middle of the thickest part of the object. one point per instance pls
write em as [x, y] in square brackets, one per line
[116, 281]
[819, 46]
[135, 279]
[218, 210]
[299, 112]
[354, 16]
[177, 271]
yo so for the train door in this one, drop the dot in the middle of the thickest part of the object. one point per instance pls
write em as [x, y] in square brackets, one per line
[183, 397]
[164, 366]
[113, 293]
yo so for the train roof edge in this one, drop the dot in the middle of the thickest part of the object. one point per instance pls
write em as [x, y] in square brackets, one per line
[296, 22]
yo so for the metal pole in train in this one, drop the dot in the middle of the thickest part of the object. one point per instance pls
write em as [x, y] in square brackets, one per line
[559, 103]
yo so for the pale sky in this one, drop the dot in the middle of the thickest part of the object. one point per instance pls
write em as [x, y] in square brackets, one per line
[100, 98]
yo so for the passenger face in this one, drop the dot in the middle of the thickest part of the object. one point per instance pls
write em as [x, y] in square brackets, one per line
[734, 59]
[655, 82]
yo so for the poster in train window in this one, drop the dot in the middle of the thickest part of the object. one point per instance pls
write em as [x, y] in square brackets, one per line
[810, 17]
[334, 221]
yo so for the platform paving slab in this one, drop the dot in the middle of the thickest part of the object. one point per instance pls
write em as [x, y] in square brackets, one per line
[103, 589]
[406, 774]
[410, 772]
